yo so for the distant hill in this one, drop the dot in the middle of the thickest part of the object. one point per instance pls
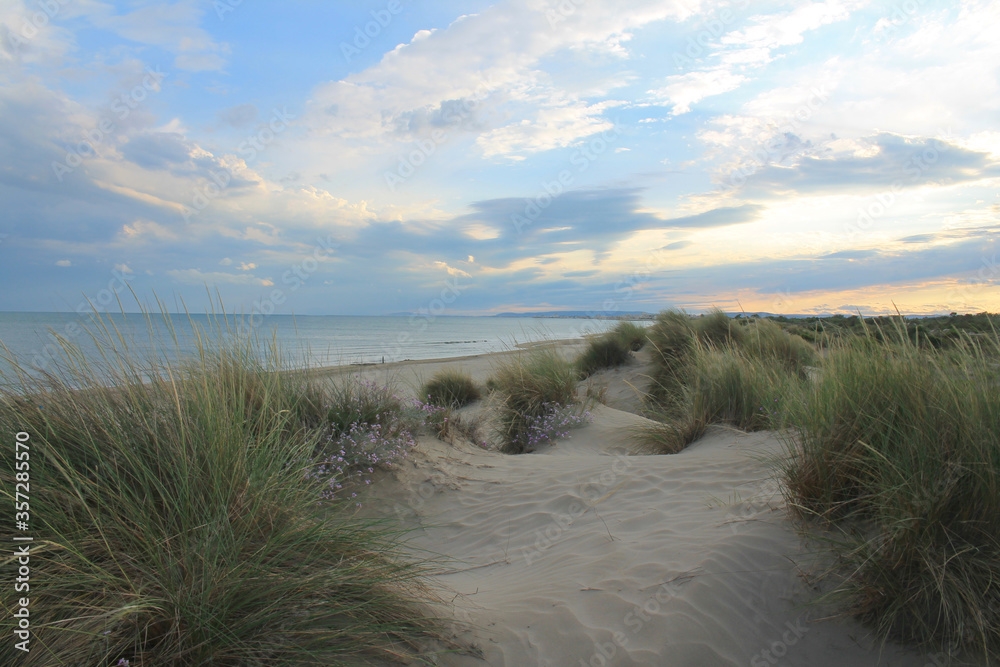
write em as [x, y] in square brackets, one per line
[608, 315]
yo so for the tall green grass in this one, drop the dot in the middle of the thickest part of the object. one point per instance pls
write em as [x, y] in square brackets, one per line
[720, 386]
[715, 370]
[900, 445]
[450, 389]
[605, 351]
[175, 522]
[632, 334]
[528, 387]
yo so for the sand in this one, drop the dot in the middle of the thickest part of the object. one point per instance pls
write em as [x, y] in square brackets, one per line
[587, 553]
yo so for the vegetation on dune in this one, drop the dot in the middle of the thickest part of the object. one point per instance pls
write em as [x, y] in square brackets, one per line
[611, 349]
[901, 443]
[183, 521]
[533, 390]
[893, 436]
[632, 334]
[712, 369]
[450, 389]
[603, 352]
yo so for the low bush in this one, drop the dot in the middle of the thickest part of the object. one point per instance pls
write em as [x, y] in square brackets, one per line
[450, 389]
[529, 386]
[607, 351]
[632, 334]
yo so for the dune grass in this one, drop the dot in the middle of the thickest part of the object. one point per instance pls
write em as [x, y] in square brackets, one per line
[632, 334]
[607, 351]
[719, 386]
[900, 445]
[182, 521]
[715, 370]
[611, 349]
[450, 389]
[891, 440]
[531, 388]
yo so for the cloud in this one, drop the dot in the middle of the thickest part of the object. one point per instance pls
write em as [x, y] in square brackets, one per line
[486, 67]
[684, 90]
[157, 150]
[893, 161]
[171, 26]
[196, 277]
[64, 262]
[240, 115]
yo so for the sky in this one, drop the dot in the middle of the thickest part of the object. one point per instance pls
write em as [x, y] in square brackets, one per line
[484, 156]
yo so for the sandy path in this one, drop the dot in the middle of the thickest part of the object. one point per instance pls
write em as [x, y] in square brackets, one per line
[585, 554]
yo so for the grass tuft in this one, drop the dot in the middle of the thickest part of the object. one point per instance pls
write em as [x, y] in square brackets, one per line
[529, 387]
[607, 351]
[900, 444]
[450, 389]
[178, 522]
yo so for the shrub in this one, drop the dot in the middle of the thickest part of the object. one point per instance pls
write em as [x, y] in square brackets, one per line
[671, 336]
[766, 340]
[632, 334]
[903, 443]
[450, 389]
[177, 521]
[529, 386]
[607, 351]
[725, 386]
[718, 329]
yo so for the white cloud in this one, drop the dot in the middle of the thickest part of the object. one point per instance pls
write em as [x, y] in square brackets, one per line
[64, 262]
[683, 90]
[554, 127]
[487, 61]
[196, 277]
[452, 271]
[740, 53]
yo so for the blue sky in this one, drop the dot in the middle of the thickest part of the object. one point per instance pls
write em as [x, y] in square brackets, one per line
[481, 156]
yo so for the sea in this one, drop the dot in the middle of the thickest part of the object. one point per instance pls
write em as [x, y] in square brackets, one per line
[32, 339]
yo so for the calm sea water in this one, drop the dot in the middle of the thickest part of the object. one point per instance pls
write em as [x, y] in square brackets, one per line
[312, 341]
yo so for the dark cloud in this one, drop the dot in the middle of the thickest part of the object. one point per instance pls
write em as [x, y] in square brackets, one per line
[850, 254]
[593, 220]
[918, 238]
[157, 150]
[900, 162]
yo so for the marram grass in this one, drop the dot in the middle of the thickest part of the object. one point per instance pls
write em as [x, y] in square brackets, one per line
[900, 444]
[528, 387]
[174, 523]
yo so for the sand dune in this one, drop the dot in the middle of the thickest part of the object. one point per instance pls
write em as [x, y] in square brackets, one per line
[585, 553]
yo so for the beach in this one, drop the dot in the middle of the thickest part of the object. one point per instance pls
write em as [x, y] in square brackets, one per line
[589, 552]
